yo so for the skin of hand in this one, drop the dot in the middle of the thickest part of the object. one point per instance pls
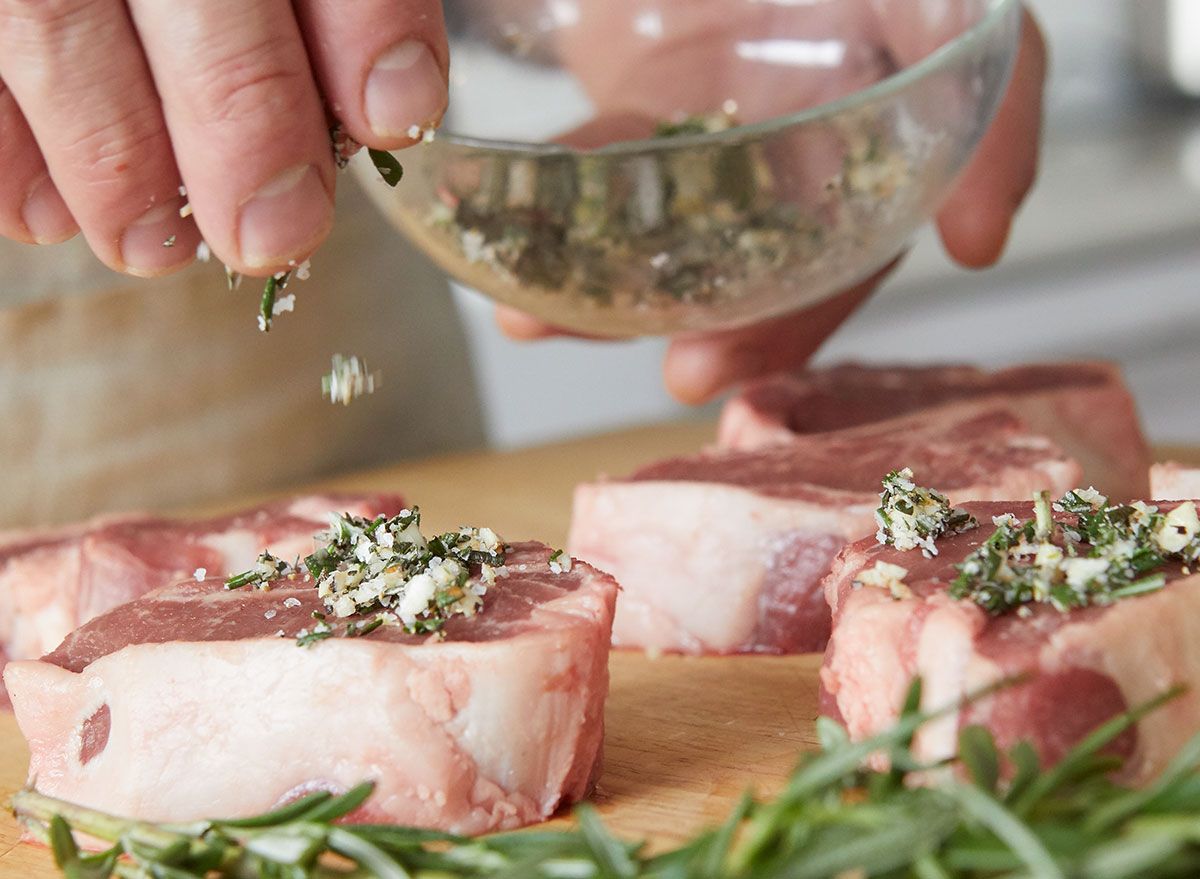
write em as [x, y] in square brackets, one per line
[112, 110]
[973, 223]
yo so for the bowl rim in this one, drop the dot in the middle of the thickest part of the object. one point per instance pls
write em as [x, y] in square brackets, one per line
[997, 13]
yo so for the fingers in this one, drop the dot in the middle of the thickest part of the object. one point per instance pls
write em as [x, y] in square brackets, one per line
[521, 327]
[382, 65]
[247, 125]
[127, 104]
[974, 222]
[31, 209]
[697, 368]
[75, 70]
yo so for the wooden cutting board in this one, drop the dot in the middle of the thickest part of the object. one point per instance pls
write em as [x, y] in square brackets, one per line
[685, 735]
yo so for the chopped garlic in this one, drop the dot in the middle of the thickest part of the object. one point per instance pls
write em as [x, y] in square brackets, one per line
[1081, 571]
[560, 562]
[417, 595]
[283, 303]
[390, 564]
[348, 379]
[885, 575]
[1179, 528]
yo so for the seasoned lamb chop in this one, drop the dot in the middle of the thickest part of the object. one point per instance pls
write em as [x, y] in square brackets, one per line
[723, 552]
[195, 700]
[52, 580]
[1083, 665]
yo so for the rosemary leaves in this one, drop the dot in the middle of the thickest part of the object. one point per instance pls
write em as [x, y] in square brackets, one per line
[387, 564]
[832, 819]
[1106, 553]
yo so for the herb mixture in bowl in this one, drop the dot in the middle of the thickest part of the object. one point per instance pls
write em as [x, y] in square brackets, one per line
[628, 168]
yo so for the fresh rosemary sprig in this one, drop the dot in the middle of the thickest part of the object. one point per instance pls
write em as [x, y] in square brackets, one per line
[832, 819]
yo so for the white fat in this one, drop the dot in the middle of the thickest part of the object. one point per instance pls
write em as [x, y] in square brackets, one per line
[949, 669]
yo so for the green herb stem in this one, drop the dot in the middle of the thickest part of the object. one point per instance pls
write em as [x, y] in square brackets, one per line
[833, 819]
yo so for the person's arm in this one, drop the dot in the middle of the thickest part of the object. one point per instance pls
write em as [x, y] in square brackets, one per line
[973, 223]
[110, 111]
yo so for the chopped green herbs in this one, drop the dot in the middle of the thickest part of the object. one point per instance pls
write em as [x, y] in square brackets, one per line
[389, 565]
[911, 517]
[266, 306]
[1107, 552]
[323, 630]
[319, 632]
[353, 630]
[669, 230]
[387, 165]
[266, 570]
[832, 819]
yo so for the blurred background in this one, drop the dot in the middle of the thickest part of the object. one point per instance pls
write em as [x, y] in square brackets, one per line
[123, 394]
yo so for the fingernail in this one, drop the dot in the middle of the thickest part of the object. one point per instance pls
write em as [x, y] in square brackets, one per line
[404, 89]
[286, 218]
[46, 215]
[159, 241]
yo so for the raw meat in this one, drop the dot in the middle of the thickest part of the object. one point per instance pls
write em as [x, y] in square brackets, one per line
[54, 580]
[188, 703]
[1175, 482]
[723, 552]
[1086, 665]
[1083, 406]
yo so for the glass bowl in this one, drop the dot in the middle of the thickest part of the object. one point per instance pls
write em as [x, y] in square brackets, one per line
[637, 167]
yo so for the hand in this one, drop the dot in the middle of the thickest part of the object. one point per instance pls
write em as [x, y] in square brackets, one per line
[109, 108]
[973, 223]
